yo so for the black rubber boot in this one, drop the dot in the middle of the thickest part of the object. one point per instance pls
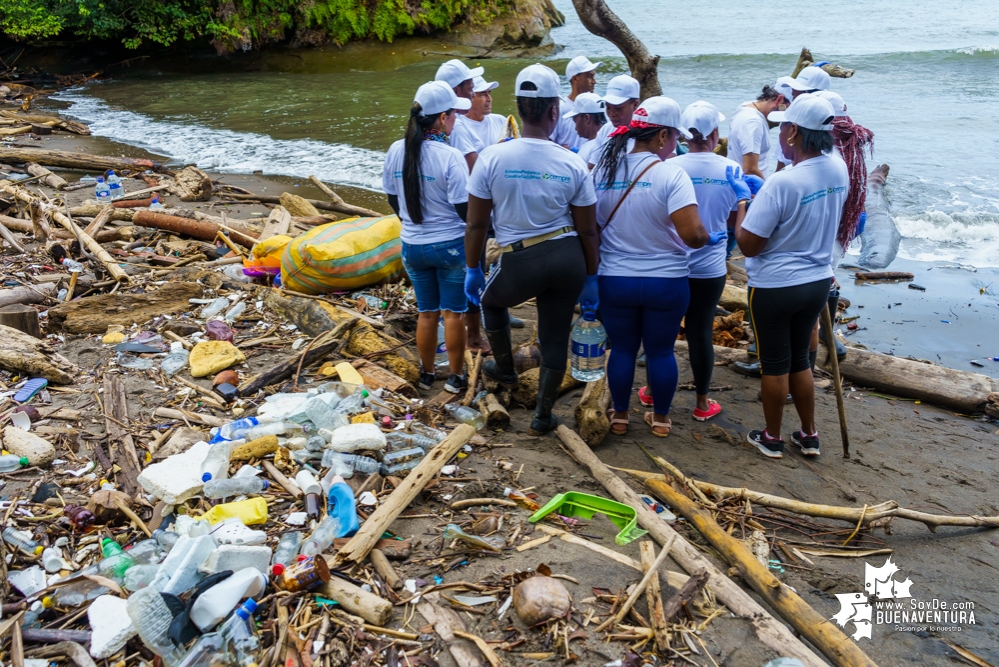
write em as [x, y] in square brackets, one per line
[500, 368]
[833, 306]
[548, 383]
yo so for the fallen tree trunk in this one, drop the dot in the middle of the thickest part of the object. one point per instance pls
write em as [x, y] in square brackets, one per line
[26, 354]
[817, 629]
[104, 236]
[33, 294]
[805, 59]
[73, 126]
[321, 205]
[93, 210]
[598, 18]
[74, 160]
[526, 391]
[867, 516]
[958, 390]
[592, 422]
[884, 275]
[497, 417]
[47, 177]
[197, 229]
[769, 630]
[21, 317]
[94, 314]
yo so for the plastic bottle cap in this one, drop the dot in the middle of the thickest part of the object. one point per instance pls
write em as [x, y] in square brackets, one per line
[24, 460]
[364, 393]
[39, 549]
[277, 569]
[590, 316]
[267, 484]
[206, 477]
[250, 605]
[302, 557]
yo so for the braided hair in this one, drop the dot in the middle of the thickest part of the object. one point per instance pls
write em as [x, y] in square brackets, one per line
[412, 175]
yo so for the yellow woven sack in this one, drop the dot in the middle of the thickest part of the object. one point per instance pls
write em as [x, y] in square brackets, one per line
[344, 255]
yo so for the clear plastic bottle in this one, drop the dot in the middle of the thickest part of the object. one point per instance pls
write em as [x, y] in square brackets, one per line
[151, 617]
[114, 184]
[140, 576]
[12, 462]
[216, 464]
[343, 507]
[589, 348]
[397, 468]
[179, 573]
[234, 643]
[398, 440]
[322, 410]
[429, 431]
[322, 537]
[235, 311]
[102, 192]
[229, 431]
[287, 549]
[215, 307]
[353, 404]
[235, 486]
[350, 463]
[134, 361]
[216, 603]
[176, 360]
[521, 499]
[440, 358]
[235, 272]
[156, 204]
[466, 415]
[402, 456]
[72, 265]
[21, 541]
[376, 404]
[115, 562]
[288, 429]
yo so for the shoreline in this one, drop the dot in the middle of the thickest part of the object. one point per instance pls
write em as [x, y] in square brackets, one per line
[949, 324]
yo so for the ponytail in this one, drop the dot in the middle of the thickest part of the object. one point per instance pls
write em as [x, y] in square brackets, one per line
[412, 174]
[616, 146]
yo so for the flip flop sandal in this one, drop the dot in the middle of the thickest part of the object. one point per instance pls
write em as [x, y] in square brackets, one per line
[617, 421]
[704, 415]
[645, 396]
[650, 419]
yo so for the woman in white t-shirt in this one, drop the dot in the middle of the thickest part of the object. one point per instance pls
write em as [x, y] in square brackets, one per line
[541, 200]
[787, 238]
[425, 179]
[647, 214]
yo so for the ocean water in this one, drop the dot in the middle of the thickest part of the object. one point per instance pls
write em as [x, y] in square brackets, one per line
[927, 84]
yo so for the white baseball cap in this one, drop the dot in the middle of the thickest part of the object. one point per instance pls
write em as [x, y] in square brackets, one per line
[814, 78]
[622, 88]
[480, 85]
[544, 78]
[661, 111]
[586, 103]
[702, 116]
[808, 111]
[579, 65]
[786, 85]
[436, 97]
[837, 102]
[455, 72]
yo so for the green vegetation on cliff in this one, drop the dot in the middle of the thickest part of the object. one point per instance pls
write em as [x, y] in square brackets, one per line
[235, 24]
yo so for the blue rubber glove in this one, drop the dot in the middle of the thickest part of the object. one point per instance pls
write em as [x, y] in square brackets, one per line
[754, 182]
[861, 223]
[589, 298]
[714, 238]
[739, 186]
[475, 282]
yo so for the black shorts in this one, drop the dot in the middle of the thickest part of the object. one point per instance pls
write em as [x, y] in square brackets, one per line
[783, 319]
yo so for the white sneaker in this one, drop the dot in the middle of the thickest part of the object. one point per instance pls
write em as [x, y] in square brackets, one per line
[234, 531]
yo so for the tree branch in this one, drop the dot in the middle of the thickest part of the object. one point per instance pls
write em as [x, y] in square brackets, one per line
[598, 18]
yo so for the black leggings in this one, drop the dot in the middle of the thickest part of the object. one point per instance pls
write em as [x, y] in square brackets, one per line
[698, 327]
[783, 318]
[553, 273]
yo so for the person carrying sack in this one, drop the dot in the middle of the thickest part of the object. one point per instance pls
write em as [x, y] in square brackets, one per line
[647, 214]
[542, 201]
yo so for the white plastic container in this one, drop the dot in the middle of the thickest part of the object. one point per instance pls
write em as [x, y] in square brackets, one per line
[183, 570]
[355, 437]
[215, 604]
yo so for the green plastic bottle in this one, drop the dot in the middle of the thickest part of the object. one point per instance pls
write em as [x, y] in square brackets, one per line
[116, 562]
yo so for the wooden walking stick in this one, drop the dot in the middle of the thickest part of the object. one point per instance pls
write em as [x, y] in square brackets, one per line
[837, 380]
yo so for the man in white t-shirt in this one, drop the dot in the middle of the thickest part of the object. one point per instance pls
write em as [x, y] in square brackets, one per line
[811, 79]
[622, 97]
[588, 116]
[581, 75]
[489, 127]
[457, 75]
[749, 132]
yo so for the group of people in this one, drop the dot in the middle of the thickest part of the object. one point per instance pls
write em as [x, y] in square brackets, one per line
[598, 204]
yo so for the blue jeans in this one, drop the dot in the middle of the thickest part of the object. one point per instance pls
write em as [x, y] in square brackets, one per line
[437, 271]
[636, 312]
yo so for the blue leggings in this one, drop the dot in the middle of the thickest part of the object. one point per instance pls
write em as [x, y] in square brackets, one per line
[636, 312]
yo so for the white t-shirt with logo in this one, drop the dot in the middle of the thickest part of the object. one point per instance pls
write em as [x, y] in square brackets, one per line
[641, 240]
[603, 134]
[489, 130]
[748, 132]
[464, 137]
[564, 133]
[798, 212]
[532, 183]
[586, 151]
[715, 201]
[445, 178]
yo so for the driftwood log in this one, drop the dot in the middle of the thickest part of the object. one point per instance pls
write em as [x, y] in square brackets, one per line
[313, 317]
[191, 184]
[24, 353]
[94, 314]
[958, 390]
[73, 126]
[526, 391]
[319, 204]
[884, 275]
[592, 422]
[202, 230]
[376, 377]
[74, 160]
[817, 629]
[47, 177]
[598, 18]
[497, 417]
[21, 317]
[869, 516]
[33, 294]
[92, 210]
[104, 236]
[119, 438]
[806, 59]
[770, 631]
[278, 222]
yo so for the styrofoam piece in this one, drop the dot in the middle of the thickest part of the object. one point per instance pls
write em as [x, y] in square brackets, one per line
[355, 437]
[110, 626]
[238, 557]
[176, 478]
